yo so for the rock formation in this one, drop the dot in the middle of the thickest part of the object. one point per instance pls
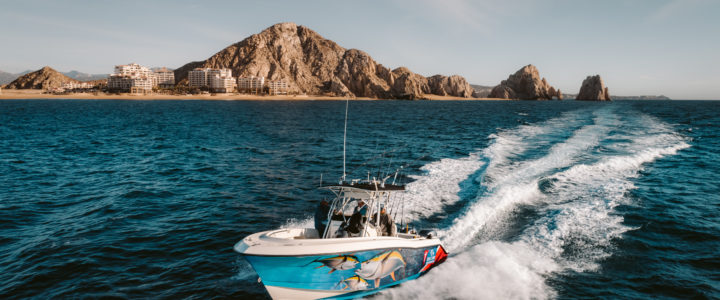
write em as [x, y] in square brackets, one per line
[407, 85]
[44, 78]
[525, 84]
[315, 65]
[454, 85]
[593, 89]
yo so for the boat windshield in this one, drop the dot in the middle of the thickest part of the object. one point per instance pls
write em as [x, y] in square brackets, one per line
[358, 206]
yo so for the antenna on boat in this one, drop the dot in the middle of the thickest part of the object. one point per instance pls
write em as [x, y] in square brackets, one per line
[347, 104]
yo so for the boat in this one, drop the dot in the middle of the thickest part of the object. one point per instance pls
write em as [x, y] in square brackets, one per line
[354, 250]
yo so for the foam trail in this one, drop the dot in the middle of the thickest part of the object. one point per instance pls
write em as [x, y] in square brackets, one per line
[513, 185]
[244, 271]
[511, 143]
[299, 223]
[492, 270]
[576, 229]
[439, 185]
[587, 194]
[441, 180]
[580, 223]
[559, 155]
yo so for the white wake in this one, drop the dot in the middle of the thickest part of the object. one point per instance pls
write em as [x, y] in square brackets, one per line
[574, 186]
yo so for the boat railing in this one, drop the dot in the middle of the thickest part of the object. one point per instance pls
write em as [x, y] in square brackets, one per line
[294, 233]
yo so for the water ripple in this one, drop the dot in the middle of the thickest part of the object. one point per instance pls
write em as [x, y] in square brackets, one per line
[144, 199]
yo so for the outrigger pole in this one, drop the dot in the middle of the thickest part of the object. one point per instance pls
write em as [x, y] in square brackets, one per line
[347, 104]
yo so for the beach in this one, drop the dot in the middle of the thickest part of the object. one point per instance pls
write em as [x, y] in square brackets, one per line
[38, 94]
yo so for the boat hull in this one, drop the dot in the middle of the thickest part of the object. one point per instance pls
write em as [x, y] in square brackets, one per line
[343, 274]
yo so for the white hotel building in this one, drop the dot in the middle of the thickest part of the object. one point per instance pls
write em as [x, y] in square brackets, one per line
[279, 87]
[218, 80]
[77, 86]
[165, 78]
[222, 84]
[198, 77]
[132, 78]
[252, 84]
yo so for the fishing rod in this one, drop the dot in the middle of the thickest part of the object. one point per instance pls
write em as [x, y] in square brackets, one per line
[347, 105]
[373, 158]
[408, 164]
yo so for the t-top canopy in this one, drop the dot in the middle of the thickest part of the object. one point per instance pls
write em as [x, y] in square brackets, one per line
[368, 186]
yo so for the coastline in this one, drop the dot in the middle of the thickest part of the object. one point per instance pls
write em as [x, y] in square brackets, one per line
[37, 95]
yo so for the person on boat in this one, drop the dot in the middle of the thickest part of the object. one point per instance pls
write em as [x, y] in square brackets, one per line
[361, 208]
[321, 214]
[385, 228]
[356, 219]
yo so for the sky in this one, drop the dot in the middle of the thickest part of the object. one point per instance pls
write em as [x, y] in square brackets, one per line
[639, 47]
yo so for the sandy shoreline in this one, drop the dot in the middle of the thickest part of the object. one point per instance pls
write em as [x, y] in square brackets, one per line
[37, 94]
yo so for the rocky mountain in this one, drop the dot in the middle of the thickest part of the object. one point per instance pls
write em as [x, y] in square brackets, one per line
[525, 84]
[593, 89]
[315, 65]
[41, 79]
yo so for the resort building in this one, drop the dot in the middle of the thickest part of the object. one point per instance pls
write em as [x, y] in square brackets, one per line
[132, 70]
[279, 87]
[77, 86]
[164, 78]
[251, 85]
[202, 77]
[197, 78]
[130, 84]
[131, 78]
[222, 84]
[71, 87]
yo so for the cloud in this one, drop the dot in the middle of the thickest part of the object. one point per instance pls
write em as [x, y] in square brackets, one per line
[480, 17]
[672, 9]
[462, 12]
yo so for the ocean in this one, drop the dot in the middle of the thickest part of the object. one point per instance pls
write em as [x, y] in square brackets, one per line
[533, 200]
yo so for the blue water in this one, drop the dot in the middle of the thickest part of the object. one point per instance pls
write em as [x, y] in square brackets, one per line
[145, 199]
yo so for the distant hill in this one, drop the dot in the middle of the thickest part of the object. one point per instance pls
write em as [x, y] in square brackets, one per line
[85, 76]
[642, 97]
[44, 78]
[614, 97]
[6, 77]
[155, 69]
[314, 65]
[481, 91]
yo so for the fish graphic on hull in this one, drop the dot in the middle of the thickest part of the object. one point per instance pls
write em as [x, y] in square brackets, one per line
[341, 262]
[381, 266]
[354, 283]
[352, 273]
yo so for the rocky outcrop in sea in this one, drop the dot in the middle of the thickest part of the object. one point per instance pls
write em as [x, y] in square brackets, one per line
[525, 84]
[315, 65]
[593, 89]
